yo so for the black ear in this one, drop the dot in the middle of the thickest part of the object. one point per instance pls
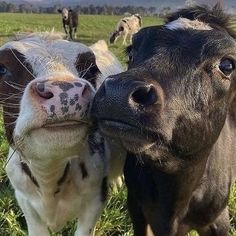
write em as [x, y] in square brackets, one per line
[216, 17]
[70, 10]
[59, 10]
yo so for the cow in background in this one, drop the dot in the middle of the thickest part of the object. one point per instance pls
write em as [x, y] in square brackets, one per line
[70, 21]
[128, 25]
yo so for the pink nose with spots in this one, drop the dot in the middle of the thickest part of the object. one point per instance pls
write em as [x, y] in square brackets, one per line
[62, 99]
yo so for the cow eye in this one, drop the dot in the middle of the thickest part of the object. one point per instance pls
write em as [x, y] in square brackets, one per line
[227, 66]
[3, 70]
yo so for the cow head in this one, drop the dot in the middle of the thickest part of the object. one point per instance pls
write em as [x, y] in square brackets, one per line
[46, 86]
[172, 102]
[65, 13]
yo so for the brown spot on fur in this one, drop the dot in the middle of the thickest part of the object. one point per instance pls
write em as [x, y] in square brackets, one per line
[27, 171]
[83, 170]
[104, 189]
[77, 84]
[63, 178]
[87, 68]
[17, 73]
[64, 86]
[57, 191]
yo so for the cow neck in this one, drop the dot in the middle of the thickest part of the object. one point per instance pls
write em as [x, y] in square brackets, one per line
[172, 192]
[48, 177]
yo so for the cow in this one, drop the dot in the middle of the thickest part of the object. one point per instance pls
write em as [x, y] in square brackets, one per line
[174, 111]
[58, 163]
[127, 26]
[70, 20]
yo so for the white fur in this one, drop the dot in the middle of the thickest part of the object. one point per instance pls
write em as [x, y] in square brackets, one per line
[184, 23]
[105, 60]
[65, 13]
[48, 151]
[131, 27]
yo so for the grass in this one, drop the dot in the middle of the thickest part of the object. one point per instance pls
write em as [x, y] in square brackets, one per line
[115, 220]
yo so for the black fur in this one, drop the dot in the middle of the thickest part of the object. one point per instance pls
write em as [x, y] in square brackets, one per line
[104, 189]
[174, 110]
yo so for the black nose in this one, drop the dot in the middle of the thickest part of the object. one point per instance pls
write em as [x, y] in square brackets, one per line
[144, 95]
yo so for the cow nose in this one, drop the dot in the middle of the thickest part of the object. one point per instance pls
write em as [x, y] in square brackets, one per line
[144, 95]
[43, 91]
[48, 90]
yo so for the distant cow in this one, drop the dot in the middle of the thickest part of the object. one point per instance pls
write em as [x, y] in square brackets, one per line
[58, 163]
[70, 20]
[174, 110]
[128, 25]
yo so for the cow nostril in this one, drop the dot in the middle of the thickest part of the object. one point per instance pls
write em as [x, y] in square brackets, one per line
[86, 91]
[145, 95]
[42, 91]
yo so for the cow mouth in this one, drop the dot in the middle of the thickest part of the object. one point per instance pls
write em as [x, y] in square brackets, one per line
[71, 124]
[134, 138]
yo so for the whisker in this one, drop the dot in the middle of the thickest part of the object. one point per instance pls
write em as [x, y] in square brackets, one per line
[9, 103]
[9, 124]
[9, 106]
[14, 83]
[10, 97]
[22, 63]
[10, 157]
[15, 94]
[14, 115]
[13, 86]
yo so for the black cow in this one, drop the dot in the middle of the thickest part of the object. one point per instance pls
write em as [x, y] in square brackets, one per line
[174, 110]
[70, 20]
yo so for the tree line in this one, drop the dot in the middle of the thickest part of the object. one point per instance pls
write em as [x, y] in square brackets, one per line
[91, 9]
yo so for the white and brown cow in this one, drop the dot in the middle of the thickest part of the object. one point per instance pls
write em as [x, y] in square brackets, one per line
[57, 163]
[127, 26]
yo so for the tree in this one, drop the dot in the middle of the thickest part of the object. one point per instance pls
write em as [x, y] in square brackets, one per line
[165, 11]
[152, 10]
[11, 8]
[190, 3]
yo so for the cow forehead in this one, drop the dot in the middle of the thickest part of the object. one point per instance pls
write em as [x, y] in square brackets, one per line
[43, 54]
[176, 52]
[184, 23]
[156, 40]
[64, 11]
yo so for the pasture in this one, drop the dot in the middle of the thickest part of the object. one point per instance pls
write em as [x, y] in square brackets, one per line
[115, 220]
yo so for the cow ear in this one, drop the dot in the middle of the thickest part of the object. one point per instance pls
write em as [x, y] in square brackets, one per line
[70, 10]
[59, 10]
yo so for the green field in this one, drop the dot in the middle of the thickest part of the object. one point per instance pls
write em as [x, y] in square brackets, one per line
[115, 220]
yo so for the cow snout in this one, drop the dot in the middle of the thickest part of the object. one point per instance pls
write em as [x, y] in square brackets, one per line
[126, 99]
[131, 93]
[46, 91]
[62, 98]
